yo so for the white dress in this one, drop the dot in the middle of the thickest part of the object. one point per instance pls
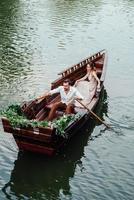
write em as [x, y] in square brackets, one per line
[87, 87]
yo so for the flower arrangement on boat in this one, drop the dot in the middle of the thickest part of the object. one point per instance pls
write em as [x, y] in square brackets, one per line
[17, 119]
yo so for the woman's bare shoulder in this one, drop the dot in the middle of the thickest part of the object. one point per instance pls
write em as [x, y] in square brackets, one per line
[94, 73]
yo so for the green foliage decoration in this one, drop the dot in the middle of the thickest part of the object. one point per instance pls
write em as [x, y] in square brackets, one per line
[18, 120]
[63, 122]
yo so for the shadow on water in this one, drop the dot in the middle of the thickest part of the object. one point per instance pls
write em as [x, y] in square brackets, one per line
[40, 177]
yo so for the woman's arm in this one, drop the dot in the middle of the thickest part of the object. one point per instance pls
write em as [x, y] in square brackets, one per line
[97, 79]
[81, 79]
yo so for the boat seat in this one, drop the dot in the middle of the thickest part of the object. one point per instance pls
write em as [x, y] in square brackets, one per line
[98, 71]
[49, 105]
[59, 111]
[99, 63]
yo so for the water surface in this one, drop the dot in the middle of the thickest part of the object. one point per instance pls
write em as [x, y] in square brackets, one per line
[38, 39]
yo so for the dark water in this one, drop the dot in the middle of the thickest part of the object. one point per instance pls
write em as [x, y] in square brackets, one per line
[37, 40]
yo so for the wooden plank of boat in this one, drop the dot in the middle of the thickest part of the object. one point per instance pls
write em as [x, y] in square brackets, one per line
[25, 146]
[44, 140]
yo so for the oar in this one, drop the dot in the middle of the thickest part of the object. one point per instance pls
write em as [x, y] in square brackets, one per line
[96, 116]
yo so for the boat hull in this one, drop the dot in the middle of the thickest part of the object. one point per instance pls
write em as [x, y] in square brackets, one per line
[45, 140]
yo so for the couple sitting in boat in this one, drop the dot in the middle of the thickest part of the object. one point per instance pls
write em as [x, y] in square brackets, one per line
[83, 90]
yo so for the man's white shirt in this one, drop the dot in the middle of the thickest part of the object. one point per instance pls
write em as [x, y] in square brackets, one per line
[67, 97]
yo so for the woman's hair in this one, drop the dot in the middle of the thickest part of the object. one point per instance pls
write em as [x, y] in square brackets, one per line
[92, 65]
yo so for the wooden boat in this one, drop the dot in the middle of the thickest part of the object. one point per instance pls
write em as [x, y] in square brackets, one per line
[45, 139]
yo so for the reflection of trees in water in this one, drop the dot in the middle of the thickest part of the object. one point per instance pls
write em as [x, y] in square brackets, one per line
[13, 52]
[39, 177]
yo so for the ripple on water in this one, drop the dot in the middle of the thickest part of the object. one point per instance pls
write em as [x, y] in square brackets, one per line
[8, 154]
[121, 109]
[38, 39]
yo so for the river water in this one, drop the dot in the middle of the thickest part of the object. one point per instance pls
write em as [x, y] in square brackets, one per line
[38, 39]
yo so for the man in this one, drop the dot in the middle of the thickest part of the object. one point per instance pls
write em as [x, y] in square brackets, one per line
[68, 95]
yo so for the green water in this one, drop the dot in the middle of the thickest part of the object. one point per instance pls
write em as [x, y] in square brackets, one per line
[38, 39]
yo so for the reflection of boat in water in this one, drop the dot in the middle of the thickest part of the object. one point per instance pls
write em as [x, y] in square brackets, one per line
[46, 139]
[39, 177]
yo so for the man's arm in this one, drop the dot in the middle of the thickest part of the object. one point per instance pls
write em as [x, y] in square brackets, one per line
[78, 95]
[43, 96]
[54, 91]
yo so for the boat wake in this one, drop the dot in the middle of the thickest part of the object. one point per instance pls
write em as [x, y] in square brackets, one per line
[122, 125]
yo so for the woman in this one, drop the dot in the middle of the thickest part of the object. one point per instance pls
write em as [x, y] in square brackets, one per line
[87, 85]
